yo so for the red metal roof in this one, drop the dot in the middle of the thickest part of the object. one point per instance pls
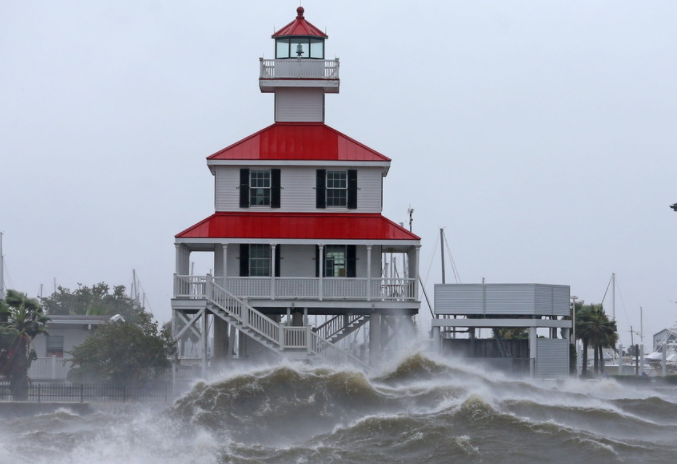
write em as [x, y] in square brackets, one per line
[300, 27]
[298, 141]
[327, 226]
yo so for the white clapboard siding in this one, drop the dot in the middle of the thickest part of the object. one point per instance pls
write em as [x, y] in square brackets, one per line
[298, 190]
[299, 105]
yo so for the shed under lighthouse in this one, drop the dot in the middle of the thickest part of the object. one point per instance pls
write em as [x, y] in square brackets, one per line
[305, 265]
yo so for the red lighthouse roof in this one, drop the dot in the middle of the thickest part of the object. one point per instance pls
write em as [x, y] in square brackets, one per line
[298, 141]
[306, 226]
[300, 27]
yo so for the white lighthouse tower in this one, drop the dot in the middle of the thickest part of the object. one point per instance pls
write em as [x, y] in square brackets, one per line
[303, 258]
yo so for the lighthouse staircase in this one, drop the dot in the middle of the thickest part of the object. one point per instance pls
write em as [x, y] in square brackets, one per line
[338, 327]
[290, 342]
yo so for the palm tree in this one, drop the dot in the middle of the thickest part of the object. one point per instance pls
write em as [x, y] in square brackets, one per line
[595, 329]
[21, 320]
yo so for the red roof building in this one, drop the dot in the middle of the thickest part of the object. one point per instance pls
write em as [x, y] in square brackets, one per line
[297, 227]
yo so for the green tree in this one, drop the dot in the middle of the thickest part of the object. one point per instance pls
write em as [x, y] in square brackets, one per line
[595, 329]
[21, 320]
[96, 300]
[131, 353]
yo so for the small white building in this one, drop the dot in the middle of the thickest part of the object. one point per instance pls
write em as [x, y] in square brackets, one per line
[461, 310]
[65, 333]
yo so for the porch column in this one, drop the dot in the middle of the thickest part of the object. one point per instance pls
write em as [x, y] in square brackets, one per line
[320, 267]
[272, 270]
[413, 256]
[225, 263]
[182, 259]
[368, 272]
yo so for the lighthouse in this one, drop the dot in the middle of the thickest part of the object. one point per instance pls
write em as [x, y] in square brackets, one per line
[305, 265]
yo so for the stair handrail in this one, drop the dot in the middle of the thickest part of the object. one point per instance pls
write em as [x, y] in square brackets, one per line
[334, 325]
[243, 313]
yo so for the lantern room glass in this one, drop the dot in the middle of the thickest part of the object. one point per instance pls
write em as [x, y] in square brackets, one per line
[299, 47]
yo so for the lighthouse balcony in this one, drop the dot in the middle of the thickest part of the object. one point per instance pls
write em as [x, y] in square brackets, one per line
[299, 72]
[315, 292]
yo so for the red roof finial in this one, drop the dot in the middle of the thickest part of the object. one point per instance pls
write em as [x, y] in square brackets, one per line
[299, 12]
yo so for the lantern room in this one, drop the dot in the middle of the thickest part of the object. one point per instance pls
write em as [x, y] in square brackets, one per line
[299, 39]
[299, 60]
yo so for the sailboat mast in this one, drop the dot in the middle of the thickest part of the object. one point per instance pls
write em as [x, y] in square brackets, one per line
[613, 296]
[444, 281]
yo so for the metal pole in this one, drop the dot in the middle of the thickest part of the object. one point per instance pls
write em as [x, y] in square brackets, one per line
[442, 254]
[613, 296]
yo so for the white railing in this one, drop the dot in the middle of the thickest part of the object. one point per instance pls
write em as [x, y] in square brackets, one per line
[299, 68]
[190, 286]
[296, 288]
[53, 368]
[329, 288]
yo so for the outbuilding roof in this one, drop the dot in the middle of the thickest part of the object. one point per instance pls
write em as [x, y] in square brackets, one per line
[300, 27]
[298, 141]
[311, 226]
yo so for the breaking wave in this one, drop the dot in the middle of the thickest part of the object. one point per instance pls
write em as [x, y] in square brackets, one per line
[421, 409]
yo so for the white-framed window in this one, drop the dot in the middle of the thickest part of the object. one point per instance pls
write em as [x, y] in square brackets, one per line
[337, 188]
[259, 187]
[259, 260]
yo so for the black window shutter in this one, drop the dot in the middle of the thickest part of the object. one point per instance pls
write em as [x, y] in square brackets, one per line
[351, 261]
[352, 188]
[276, 188]
[244, 260]
[317, 261]
[320, 188]
[244, 188]
[277, 259]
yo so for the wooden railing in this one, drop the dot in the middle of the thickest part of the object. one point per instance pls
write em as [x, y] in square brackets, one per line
[299, 68]
[329, 288]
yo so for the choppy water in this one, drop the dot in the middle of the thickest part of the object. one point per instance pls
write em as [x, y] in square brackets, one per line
[423, 410]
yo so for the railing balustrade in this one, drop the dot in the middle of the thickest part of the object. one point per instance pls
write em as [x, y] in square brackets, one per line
[333, 288]
[50, 368]
[299, 68]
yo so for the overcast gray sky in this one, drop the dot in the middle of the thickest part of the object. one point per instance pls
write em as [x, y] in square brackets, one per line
[540, 134]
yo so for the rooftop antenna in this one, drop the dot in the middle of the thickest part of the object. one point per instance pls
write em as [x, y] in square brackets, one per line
[411, 216]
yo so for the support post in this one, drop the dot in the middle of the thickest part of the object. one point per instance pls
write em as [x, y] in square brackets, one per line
[272, 272]
[320, 267]
[205, 343]
[368, 272]
[533, 351]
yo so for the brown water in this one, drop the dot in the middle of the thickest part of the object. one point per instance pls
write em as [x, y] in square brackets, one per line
[420, 411]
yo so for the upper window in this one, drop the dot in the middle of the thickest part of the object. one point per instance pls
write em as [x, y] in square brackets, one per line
[337, 188]
[259, 187]
[299, 47]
